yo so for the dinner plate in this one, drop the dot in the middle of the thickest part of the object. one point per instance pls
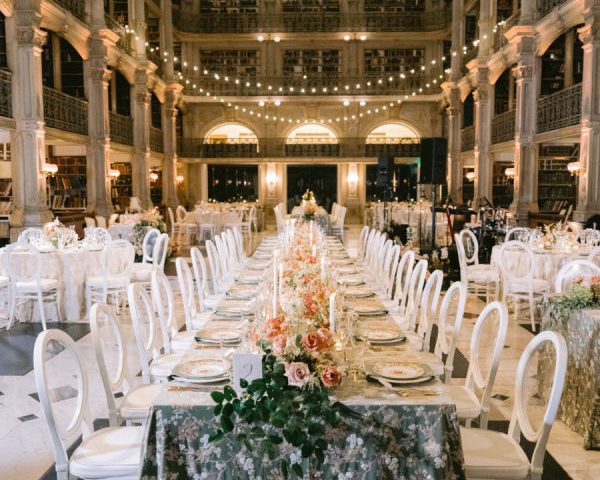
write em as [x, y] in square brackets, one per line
[369, 311]
[204, 368]
[399, 370]
[216, 335]
[249, 279]
[217, 381]
[351, 280]
[357, 292]
[341, 262]
[262, 265]
[232, 311]
[347, 270]
[241, 293]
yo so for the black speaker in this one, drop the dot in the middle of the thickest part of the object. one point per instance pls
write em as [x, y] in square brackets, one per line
[385, 171]
[434, 153]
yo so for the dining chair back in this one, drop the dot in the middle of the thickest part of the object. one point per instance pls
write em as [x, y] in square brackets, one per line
[520, 234]
[403, 275]
[369, 246]
[382, 258]
[362, 243]
[223, 252]
[589, 237]
[429, 306]
[148, 243]
[31, 235]
[577, 271]
[390, 268]
[476, 377]
[186, 288]
[180, 213]
[448, 329]
[163, 300]
[214, 265]
[415, 291]
[200, 276]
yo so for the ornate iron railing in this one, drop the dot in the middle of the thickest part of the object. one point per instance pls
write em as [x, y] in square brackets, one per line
[468, 138]
[5, 94]
[559, 110]
[383, 84]
[280, 147]
[311, 22]
[125, 39]
[65, 112]
[503, 127]
[121, 128]
[76, 7]
[156, 139]
[549, 5]
[499, 40]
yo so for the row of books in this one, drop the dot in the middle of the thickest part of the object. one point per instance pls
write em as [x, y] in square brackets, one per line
[553, 205]
[67, 201]
[68, 182]
[5, 187]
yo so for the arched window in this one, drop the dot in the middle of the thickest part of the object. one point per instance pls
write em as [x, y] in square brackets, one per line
[311, 133]
[391, 133]
[231, 133]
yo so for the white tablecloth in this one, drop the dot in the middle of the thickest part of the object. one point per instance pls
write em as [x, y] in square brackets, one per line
[70, 268]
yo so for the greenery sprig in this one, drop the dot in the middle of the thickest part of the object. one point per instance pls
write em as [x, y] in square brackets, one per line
[270, 412]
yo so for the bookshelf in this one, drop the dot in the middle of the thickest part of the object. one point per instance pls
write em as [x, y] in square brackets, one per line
[67, 189]
[228, 6]
[468, 187]
[502, 186]
[301, 62]
[557, 188]
[311, 6]
[121, 188]
[156, 189]
[394, 6]
[393, 60]
[244, 63]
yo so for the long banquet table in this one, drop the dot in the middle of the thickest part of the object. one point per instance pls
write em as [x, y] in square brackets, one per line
[413, 437]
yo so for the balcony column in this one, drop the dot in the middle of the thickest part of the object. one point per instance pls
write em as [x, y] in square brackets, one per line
[98, 153]
[455, 161]
[141, 138]
[166, 23]
[525, 153]
[481, 150]
[588, 198]
[28, 139]
[138, 17]
[169, 122]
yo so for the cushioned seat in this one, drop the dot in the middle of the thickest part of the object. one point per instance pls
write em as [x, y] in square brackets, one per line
[138, 401]
[31, 286]
[110, 452]
[141, 272]
[492, 455]
[523, 287]
[467, 405]
[482, 273]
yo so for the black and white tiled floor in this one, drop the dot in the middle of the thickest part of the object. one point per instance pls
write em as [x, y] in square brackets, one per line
[25, 449]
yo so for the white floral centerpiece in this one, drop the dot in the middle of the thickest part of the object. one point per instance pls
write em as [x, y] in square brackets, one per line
[59, 235]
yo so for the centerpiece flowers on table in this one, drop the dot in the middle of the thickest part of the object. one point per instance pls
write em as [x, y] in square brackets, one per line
[147, 220]
[581, 294]
[59, 235]
[291, 402]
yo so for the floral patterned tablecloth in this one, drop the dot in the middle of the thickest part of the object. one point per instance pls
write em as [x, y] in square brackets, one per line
[579, 407]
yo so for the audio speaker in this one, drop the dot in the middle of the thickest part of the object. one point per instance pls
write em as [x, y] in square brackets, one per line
[385, 171]
[434, 153]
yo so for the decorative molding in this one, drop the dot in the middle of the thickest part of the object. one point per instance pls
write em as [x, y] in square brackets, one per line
[31, 36]
[522, 72]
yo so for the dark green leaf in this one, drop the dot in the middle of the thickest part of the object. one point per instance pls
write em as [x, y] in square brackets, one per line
[227, 410]
[307, 449]
[213, 437]
[284, 468]
[226, 424]
[276, 439]
[229, 393]
[315, 428]
[217, 396]
[217, 409]
[243, 383]
[297, 469]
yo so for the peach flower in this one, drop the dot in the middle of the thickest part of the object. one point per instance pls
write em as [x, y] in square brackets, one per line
[275, 327]
[297, 373]
[331, 376]
[279, 344]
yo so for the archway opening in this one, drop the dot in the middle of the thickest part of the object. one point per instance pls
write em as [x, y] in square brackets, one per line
[311, 133]
[232, 134]
[394, 132]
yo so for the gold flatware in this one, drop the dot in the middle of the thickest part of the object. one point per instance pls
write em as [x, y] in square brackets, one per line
[407, 392]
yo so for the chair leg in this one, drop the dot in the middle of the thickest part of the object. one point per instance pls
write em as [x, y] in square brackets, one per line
[516, 307]
[58, 305]
[13, 306]
[40, 301]
[532, 312]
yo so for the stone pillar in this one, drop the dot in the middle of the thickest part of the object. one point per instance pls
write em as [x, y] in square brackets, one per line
[28, 139]
[138, 22]
[588, 198]
[169, 123]
[481, 151]
[167, 38]
[526, 158]
[455, 162]
[141, 138]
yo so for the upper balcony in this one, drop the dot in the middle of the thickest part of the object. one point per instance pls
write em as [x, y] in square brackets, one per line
[427, 21]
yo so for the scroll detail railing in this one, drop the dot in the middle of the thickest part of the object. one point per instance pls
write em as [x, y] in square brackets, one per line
[64, 112]
[503, 127]
[156, 139]
[560, 109]
[468, 138]
[121, 128]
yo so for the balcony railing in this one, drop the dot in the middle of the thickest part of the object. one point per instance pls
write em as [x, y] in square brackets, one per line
[311, 22]
[64, 112]
[5, 94]
[156, 139]
[468, 138]
[125, 39]
[503, 127]
[121, 129]
[76, 7]
[316, 84]
[499, 40]
[279, 147]
[549, 5]
[559, 110]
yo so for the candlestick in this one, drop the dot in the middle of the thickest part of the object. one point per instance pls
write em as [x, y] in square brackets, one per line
[275, 288]
[323, 270]
[332, 312]
[280, 268]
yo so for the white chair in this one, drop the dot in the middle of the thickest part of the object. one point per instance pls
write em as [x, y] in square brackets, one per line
[490, 454]
[155, 251]
[368, 245]
[517, 277]
[517, 233]
[194, 318]
[89, 221]
[478, 278]
[148, 337]
[407, 318]
[575, 271]
[115, 275]
[31, 235]
[390, 269]
[337, 226]
[589, 237]
[205, 299]
[402, 280]
[186, 229]
[594, 256]
[101, 221]
[233, 219]
[98, 235]
[214, 265]
[420, 338]
[23, 264]
[110, 344]
[448, 333]
[109, 453]
[468, 405]
[362, 243]
[247, 220]
[206, 222]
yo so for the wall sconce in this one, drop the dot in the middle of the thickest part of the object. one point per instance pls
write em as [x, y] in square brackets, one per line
[49, 169]
[271, 178]
[574, 168]
[153, 176]
[179, 179]
[510, 172]
[470, 176]
[113, 173]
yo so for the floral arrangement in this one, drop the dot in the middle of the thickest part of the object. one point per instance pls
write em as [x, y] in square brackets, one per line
[582, 294]
[308, 197]
[148, 219]
[291, 402]
[59, 235]
[310, 210]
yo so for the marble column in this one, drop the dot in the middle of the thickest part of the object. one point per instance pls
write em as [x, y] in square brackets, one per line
[141, 138]
[138, 21]
[588, 198]
[28, 139]
[481, 151]
[169, 123]
[98, 153]
[525, 150]
[455, 163]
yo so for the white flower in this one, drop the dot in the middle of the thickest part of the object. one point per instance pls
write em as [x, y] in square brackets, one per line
[444, 253]
[432, 449]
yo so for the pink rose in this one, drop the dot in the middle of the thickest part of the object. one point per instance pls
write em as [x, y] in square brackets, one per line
[279, 344]
[297, 373]
[317, 341]
[275, 327]
[331, 376]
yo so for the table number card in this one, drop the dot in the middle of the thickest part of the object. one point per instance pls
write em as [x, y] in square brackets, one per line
[247, 366]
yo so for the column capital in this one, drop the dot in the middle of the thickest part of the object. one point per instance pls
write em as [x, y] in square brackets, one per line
[590, 32]
[31, 36]
[522, 72]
